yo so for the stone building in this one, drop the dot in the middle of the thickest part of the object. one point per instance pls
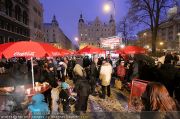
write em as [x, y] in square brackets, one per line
[167, 33]
[55, 36]
[36, 20]
[14, 20]
[90, 33]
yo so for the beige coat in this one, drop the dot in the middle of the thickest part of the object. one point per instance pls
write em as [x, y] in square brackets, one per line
[79, 70]
[105, 74]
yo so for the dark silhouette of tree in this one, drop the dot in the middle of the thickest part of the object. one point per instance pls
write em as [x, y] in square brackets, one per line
[151, 13]
[125, 28]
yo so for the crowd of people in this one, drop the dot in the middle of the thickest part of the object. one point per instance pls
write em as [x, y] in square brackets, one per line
[162, 93]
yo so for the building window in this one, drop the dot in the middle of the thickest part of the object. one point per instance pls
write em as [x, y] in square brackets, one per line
[1, 24]
[39, 26]
[35, 25]
[25, 18]
[1, 40]
[35, 10]
[39, 13]
[12, 28]
[8, 27]
[18, 13]
[24, 2]
[9, 6]
[11, 40]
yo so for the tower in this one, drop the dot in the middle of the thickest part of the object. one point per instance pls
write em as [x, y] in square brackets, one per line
[54, 21]
[112, 24]
[80, 26]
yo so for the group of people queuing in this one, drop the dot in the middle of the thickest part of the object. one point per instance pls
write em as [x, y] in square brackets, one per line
[88, 73]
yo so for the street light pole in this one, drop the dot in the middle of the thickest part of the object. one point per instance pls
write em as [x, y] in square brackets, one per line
[114, 5]
[179, 39]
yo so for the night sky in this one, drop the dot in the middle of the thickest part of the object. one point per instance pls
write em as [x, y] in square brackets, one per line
[68, 11]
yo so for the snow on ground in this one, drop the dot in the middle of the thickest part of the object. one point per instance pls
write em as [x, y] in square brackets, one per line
[113, 107]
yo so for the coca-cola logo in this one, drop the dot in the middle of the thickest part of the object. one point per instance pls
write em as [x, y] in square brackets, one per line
[24, 54]
[56, 54]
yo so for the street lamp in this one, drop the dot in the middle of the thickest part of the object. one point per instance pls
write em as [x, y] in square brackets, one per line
[147, 46]
[144, 35]
[107, 7]
[161, 43]
[122, 46]
[179, 39]
[76, 39]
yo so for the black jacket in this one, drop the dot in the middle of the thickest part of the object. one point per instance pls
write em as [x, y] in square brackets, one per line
[64, 96]
[168, 58]
[169, 77]
[94, 70]
[82, 87]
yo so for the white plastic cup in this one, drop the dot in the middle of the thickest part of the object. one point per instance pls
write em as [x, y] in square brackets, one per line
[28, 91]
[36, 83]
[44, 85]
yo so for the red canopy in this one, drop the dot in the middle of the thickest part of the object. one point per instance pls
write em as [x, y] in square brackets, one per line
[28, 49]
[91, 50]
[131, 50]
[65, 52]
[2, 47]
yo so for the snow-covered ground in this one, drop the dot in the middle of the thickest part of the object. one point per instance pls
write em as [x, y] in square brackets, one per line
[113, 107]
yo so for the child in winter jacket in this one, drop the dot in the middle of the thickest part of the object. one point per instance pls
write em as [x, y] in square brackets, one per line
[38, 109]
[64, 97]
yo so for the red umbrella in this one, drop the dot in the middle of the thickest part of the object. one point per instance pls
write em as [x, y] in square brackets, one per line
[52, 51]
[91, 50]
[2, 47]
[27, 49]
[131, 50]
[65, 52]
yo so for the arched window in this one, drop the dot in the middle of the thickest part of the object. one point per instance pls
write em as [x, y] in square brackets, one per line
[9, 6]
[18, 13]
[25, 17]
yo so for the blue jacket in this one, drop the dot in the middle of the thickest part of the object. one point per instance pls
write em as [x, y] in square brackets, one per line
[38, 108]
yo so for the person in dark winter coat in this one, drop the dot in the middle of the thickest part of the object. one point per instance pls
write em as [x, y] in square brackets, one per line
[175, 58]
[70, 66]
[86, 62]
[83, 90]
[94, 75]
[60, 71]
[169, 77]
[168, 58]
[51, 75]
[109, 59]
[51, 79]
[24, 71]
